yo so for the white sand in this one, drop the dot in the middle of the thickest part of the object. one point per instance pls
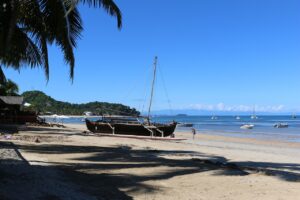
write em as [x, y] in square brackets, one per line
[122, 168]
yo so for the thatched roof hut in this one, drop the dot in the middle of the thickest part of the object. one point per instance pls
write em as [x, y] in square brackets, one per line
[11, 100]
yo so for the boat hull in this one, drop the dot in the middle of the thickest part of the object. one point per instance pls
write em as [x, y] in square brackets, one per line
[247, 126]
[281, 125]
[186, 125]
[131, 129]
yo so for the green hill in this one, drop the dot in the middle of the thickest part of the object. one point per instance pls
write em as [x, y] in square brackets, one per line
[41, 102]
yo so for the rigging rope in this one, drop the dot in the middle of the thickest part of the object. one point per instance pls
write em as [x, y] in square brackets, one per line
[134, 86]
[165, 89]
[145, 93]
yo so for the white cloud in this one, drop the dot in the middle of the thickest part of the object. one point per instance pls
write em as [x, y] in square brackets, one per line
[236, 108]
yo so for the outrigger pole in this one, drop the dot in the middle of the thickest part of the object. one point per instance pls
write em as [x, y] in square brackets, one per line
[152, 88]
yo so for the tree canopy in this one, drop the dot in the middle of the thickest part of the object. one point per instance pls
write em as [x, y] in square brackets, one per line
[28, 26]
[43, 103]
[8, 88]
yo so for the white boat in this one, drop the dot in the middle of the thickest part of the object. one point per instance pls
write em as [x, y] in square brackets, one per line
[83, 119]
[247, 126]
[214, 117]
[253, 116]
[281, 125]
[88, 113]
[237, 118]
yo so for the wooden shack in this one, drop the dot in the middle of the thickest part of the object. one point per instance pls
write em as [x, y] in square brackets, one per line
[11, 111]
[10, 106]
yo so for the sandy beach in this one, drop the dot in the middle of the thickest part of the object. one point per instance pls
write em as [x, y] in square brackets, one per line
[65, 163]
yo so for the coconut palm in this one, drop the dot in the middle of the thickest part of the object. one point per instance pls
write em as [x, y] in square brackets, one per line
[28, 26]
[2, 76]
[9, 88]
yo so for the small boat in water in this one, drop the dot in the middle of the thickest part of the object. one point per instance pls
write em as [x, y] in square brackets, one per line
[281, 125]
[214, 117]
[237, 118]
[185, 124]
[253, 116]
[247, 126]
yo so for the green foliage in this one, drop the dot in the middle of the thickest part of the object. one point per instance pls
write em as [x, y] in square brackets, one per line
[28, 27]
[9, 88]
[43, 103]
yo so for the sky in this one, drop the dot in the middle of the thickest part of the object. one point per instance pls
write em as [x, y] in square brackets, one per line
[223, 55]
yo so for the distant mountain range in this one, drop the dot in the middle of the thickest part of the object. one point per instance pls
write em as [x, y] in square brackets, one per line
[45, 104]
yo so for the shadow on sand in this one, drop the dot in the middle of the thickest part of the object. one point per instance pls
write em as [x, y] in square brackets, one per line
[94, 174]
[104, 184]
[52, 130]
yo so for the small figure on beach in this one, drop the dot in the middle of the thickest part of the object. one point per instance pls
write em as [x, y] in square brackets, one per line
[193, 132]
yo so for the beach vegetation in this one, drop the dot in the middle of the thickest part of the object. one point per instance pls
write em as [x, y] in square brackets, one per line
[9, 88]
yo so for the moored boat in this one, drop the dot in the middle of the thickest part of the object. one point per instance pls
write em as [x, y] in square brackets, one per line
[214, 117]
[130, 125]
[247, 126]
[127, 126]
[253, 116]
[281, 125]
[185, 124]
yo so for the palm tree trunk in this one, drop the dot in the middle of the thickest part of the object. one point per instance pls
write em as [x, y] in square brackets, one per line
[2, 77]
[12, 24]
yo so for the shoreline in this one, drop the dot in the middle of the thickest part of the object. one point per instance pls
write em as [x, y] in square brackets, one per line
[264, 130]
[216, 134]
[70, 116]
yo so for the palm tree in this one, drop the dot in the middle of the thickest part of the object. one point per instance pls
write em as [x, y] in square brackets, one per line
[9, 88]
[2, 76]
[28, 26]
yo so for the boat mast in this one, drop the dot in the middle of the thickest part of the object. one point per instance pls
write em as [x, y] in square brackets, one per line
[152, 88]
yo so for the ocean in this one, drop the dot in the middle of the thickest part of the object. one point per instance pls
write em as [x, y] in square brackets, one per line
[229, 126]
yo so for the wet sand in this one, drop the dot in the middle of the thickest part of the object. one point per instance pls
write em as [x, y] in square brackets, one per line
[209, 167]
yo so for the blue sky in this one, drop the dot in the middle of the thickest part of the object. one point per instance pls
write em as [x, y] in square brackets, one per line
[213, 54]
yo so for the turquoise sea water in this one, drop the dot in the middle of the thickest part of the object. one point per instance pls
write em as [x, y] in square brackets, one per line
[230, 126]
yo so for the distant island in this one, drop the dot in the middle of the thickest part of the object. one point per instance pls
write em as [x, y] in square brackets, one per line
[47, 105]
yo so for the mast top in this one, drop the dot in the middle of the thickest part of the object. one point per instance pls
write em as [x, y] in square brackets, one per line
[152, 87]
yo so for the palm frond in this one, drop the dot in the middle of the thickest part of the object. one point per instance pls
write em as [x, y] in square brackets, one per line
[61, 29]
[22, 51]
[28, 26]
[11, 87]
[110, 7]
[33, 21]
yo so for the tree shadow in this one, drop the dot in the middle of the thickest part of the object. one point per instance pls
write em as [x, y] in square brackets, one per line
[19, 180]
[131, 158]
[99, 172]
[52, 130]
[284, 171]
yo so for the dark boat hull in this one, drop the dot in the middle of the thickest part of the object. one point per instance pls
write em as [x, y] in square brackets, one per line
[186, 125]
[131, 129]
